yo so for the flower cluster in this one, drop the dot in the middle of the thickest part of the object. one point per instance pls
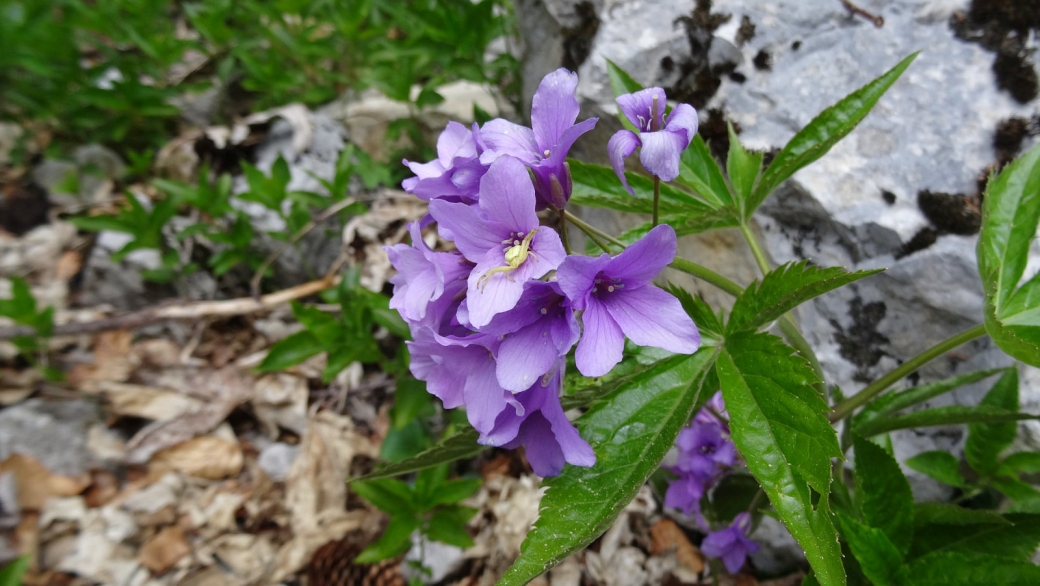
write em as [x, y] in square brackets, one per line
[493, 321]
[705, 454]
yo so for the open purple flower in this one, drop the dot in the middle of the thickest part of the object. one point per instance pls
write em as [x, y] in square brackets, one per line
[619, 299]
[535, 334]
[423, 277]
[456, 171]
[502, 236]
[731, 544]
[704, 451]
[543, 148]
[462, 371]
[542, 427]
[662, 140]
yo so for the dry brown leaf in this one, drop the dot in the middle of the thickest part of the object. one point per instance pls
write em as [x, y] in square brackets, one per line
[665, 535]
[158, 352]
[298, 551]
[280, 400]
[208, 456]
[250, 557]
[165, 549]
[68, 265]
[36, 484]
[145, 402]
[12, 396]
[113, 360]
[104, 488]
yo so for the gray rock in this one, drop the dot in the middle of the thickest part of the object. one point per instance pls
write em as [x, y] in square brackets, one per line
[53, 432]
[276, 459]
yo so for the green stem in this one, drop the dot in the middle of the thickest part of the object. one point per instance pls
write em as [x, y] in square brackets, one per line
[657, 198]
[587, 229]
[590, 230]
[787, 324]
[563, 232]
[706, 274]
[846, 407]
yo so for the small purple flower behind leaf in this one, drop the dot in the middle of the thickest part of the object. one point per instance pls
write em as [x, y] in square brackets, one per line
[704, 451]
[619, 299]
[503, 237]
[543, 148]
[542, 427]
[663, 139]
[684, 493]
[731, 544]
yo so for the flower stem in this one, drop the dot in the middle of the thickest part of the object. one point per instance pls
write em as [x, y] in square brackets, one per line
[657, 198]
[787, 324]
[563, 231]
[587, 229]
[705, 274]
[846, 407]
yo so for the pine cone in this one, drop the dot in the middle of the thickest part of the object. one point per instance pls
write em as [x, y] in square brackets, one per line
[333, 565]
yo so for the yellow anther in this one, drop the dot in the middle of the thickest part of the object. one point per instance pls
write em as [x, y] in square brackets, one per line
[514, 256]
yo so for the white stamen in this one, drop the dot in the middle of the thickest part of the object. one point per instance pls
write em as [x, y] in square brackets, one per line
[543, 311]
[610, 289]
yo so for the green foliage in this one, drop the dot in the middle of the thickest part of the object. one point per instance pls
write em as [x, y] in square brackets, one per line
[822, 133]
[699, 173]
[942, 466]
[987, 440]
[1010, 213]
[778, 424]
[621, 83]
[429, 505]
[597, 186]
[878, 558]
[11, 574]
[630, 430]
[21, 309]
[107, 70]
[783, 289]
[743, 167]
[891, 402]
[950, 415]
[885, 500]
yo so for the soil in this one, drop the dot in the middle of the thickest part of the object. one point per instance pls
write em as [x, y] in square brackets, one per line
[1003, 26]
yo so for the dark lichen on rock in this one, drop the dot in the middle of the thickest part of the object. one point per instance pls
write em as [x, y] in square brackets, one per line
[1003, 26]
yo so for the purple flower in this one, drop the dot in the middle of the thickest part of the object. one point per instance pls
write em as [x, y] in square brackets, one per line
[619, 300]
[731, 544]
[684, 493]
[543, 149]
[663, 141]
[535, 334]
[456, 171]
[704, 451]
[462, 371]
[502, 236]
[542, 427]
[424, 277]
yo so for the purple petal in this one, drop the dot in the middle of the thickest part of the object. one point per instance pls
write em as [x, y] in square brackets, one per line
[455, 141]
[548, 253]
[602, 343]
[734, 559]
[507, 195]
[526, 312]
[496, 294]
[501, 137]
[543, 452]
[473, 236]
[526, 355]
[620, 146]
[641, 262]
[577, 274]
[652, 317]
[683, 118]
[637, 107]
[576, 451]
[554, 107]
[485, 399]
[425, 170]
[558, 150]
[661, 151]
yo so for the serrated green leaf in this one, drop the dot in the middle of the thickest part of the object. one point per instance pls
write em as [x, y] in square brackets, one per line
[950, 415]
[885, 499]
[830, 126]
[1026, 497]
[699, 172]
[598, 187]
[1015, 540]
[783, 289]
[948, 514]
[448, 525]
[388, 495]
[630, 430]
[701, 314]
[291, 351]
[877, 556]
[987, 440]
[454, 491]
[892, 402]
[942, 466]
[778, 424]
[101, 223]
[1027, 462]
[461, 445]
[395, 541]
[1010, 213]
[686, 224]
[743, 166]
[958, 569]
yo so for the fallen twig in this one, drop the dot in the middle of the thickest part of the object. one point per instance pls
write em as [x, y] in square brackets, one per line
[877, 19]
[195, 310]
